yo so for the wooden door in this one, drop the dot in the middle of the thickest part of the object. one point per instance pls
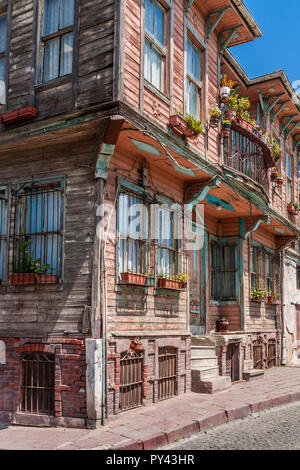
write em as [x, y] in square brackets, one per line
[233, 361]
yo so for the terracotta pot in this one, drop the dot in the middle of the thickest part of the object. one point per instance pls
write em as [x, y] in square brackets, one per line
[222, 326]
[19, 115]
[133, 278]
[274, 176]
[181, 125]
[21, 279]
[292, 210]
[46, 279]
[271, 299]
[230, 115]
[279, 181]
[169, 283]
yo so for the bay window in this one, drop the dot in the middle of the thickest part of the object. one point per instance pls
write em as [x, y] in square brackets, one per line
[155, 44]
[57, 38]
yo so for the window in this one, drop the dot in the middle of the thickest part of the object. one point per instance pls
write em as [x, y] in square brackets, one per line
[255, 267]
[37, 383]
[3, 22]
[193, 80]
[3, 229]
[155, 44]
[168, 225]
[57, 38]
[37, 233]
[289, 178]
[133, 233]
[223, 271]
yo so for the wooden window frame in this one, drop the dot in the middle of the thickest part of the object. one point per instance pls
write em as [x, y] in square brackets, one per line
[161, 51]
[191, 80]
[217, 296]
[43, 39]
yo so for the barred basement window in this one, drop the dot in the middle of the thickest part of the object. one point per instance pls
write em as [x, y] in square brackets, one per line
[36, 233]
[131, 380]
[37, 383]
[167, 375]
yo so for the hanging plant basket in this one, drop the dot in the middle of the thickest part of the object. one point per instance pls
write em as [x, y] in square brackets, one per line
[18, 115]
[274, 176]
[225, 92]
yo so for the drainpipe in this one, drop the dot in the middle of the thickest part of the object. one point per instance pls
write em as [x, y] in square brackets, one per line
[283, 338]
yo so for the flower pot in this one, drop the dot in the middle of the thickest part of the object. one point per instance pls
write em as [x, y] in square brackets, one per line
[184, 285]
[181, 126]
[133, 278]
[292, 209]
[18, 115]
[225, 92]
[226, 129]
[46, 279]
[21, 279]
[274, 176]
[271, 299]
[230, 115]
[169, 283]
[215, 119]
[279, 181]
[222, 326]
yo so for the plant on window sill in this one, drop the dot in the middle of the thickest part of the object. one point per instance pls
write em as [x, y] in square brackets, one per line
[42, 272]
[293, 208]
[222, 325]
[273, 297]
[22, 268]
[176, 282]
[188, 126]
[18, 115]
[215, 115]
[129, 277]
[258, 295]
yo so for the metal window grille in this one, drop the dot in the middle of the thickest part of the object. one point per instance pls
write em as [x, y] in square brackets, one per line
[36, 234]
[133, 233]
[246, 157]
[37, 383]
[167, 373]
[271, 353]
[257, 355]
[131, 380]
[3, 230]
[168, 257]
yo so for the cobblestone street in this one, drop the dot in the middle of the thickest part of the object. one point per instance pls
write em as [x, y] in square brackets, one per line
[275, 429]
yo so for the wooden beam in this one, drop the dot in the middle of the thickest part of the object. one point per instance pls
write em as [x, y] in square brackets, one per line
[285, 126]
[223, 44]
[211, 27]
[289, 132]
[282, 105]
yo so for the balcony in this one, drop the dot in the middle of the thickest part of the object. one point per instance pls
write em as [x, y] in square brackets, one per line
[244, 155]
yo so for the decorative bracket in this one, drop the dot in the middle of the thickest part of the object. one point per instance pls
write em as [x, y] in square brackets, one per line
[266, 106]
[289, 132]
[210, 27]
[256, 224]
[281, 106]
[283, 126]
[223, 43]
[200, 195]
[296, 142]
[283, 242]
[187, 6]
[108, 145]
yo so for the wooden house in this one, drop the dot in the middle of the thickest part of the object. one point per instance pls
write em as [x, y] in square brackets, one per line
[106, 190]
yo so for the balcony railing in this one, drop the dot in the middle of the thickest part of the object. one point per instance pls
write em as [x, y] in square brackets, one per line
[245, 156]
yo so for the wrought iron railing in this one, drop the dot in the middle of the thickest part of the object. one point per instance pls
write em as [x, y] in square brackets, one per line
[246, 156]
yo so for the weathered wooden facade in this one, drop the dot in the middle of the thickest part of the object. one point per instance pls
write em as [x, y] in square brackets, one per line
[88, 151]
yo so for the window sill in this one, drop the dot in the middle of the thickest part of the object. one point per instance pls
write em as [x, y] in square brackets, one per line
[40, 87]
[157, 92]
[30, 288]
[119, 287]
[168, 292]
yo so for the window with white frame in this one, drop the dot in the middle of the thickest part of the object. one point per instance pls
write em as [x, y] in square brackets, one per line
[3, 27]
[168, 240]
[57, 39]
[289, 178]
[155, 44]
[193, 80]
[133, 233]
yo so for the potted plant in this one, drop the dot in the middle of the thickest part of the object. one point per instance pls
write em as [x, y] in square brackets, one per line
[129, 277]
[258, 295]
[274, 173]
[226, 126]
[150, 278]
[256, 130]
[182, 278]
[42, 272]
[222, 325]
[276, 150]
[231, 113]
[293, 208]
[195, 126]
[226, 87]
[17, 115]
[22, 267]
[167, 282]
[188, 126]
[215, 115]
[280, 180]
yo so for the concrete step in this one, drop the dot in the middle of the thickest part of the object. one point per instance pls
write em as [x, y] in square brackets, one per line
[205, 374]
[202, 351]
[212, 385]
[253, 374]
[204, 362]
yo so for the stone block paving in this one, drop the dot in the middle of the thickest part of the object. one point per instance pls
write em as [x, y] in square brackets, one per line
[157, 425]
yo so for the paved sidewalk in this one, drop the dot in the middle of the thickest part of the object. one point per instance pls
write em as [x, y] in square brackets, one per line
[165, 422]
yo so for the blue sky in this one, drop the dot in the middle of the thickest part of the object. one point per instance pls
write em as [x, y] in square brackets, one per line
[279, 21]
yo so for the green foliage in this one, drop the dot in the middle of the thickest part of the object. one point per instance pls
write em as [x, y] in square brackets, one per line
[215, 111]
[226, 122]
[258, 294]
[23, 259]
[40, 268]
[194, 125]
[181, 277]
